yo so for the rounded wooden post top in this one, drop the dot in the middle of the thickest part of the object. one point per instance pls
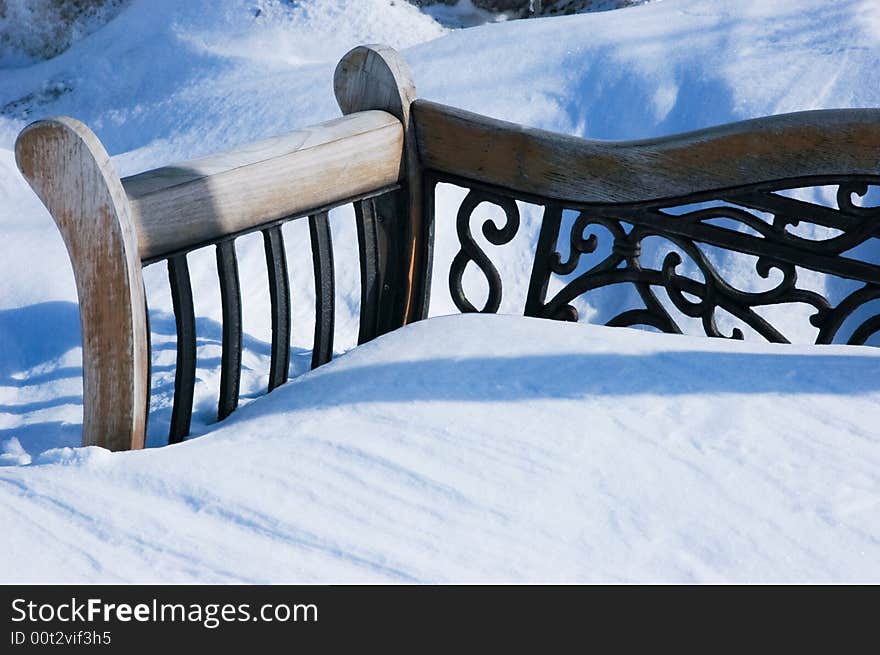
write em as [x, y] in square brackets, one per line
[54, 150]
[377, 77]
[374, 77]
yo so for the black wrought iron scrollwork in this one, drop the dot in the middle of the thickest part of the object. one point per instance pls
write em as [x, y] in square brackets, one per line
[471, 251]
[756, 221]
[830, 322]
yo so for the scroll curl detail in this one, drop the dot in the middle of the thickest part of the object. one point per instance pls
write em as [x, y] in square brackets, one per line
[471, 251]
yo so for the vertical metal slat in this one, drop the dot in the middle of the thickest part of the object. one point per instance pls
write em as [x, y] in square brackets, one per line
[367, 218]
[322, 260]
[422, 266]
[185, 372]
[279, 294]
[544, 252]
[230, 296]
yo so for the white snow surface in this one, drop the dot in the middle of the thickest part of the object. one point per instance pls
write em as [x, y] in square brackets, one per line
[489, 448]
[467, 449]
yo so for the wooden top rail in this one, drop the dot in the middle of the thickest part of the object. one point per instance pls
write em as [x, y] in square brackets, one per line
[799, 145]
[186, 205]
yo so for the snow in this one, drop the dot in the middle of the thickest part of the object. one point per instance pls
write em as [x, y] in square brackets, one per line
[31, 30]
[489, 448]
[468, 449]
[13, 453]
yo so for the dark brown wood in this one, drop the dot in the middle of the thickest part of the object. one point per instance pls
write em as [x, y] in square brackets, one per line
[568, 168]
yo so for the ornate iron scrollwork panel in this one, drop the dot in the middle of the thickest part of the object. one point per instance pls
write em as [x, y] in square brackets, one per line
[758, 221]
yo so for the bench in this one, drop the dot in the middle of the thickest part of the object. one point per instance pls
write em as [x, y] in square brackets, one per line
[723, 188]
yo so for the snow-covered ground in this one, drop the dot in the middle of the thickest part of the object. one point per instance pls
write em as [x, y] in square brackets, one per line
[489, 448]
[542, 458]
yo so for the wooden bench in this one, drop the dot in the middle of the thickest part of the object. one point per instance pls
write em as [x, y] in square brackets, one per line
[386, 156]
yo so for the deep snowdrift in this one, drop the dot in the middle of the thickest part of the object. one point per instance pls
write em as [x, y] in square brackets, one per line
[790, 493]
[489, 448]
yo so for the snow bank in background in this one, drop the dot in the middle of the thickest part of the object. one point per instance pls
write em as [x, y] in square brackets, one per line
[490, 448]
[469, 13]
[12, 453]
[31, 30]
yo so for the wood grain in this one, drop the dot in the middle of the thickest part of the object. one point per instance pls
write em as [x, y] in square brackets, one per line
[68, 168]
[561, 167]
[377, 77]
[197, 202]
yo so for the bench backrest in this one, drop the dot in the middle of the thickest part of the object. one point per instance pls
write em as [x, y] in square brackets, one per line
[386, 156]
